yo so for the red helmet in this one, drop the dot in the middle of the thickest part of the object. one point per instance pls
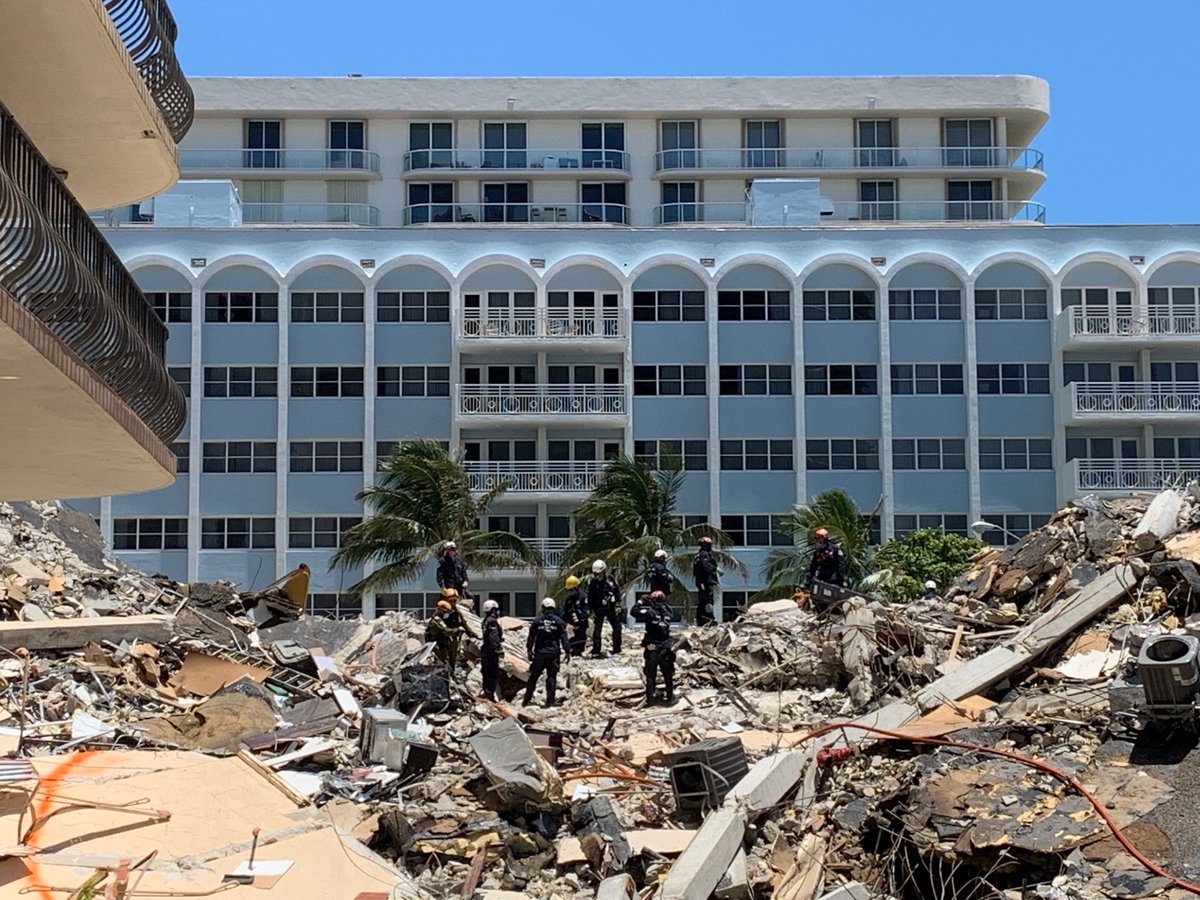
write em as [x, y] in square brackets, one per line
[706, 540]
[657, 595]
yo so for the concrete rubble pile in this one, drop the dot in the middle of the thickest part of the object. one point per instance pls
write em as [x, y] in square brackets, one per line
[981, 745]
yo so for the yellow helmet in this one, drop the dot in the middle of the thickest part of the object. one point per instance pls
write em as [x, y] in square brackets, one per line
[445, 605]
[572, 581]
[450, 593]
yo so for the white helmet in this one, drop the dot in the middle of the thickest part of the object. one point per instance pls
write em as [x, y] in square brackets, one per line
[548, 603]
[450, 545]
[490, 606]
[931, 585]
[598, 566]
[660, 554]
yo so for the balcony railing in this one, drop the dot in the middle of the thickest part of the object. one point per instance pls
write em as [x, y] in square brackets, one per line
[535, 477]
[881, 211]
[148, 31]
[1161, 398]
[198, 158]
[543, 325]
[520, 213]
[1124, 320]
[551, 550]
[683, 213]
[419, 160]
[309, 214]
[56, 263]
[537, 400]
[1019, 158]
[1121, 475]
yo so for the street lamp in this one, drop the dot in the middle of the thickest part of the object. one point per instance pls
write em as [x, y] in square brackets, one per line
[981, 527]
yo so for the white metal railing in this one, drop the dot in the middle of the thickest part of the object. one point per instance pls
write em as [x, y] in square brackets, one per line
[850, 158]
[551, 550]
[203, 158]
[522, 159]
[864, 211]
[1164, 398]
[539, 324]
[535, 477]
[549, 399]
[1131, 474]
[1122, 320]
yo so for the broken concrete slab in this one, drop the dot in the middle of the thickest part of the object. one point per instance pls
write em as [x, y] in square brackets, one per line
[69, 634]
[735, 883]
[768, 781]
[1159, 521]
[520, 778]
[701, 866]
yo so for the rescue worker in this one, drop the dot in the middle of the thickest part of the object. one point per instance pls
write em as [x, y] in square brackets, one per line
[828, 563]
[491, 649]
[931, 591]
[445, 628]
[659, 578]
[707, 576]
[657, 654]
[604, 600]
[547, 636]
[452, 571]
[575, 613]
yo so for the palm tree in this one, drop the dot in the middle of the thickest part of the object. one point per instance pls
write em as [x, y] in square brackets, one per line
[786, 568]
[423, 499]
[630, 514]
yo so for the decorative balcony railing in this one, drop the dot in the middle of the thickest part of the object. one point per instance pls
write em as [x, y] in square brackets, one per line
[519, 213]
[419, 160]
[309, 214]
[1019, 158]
[543, 325]
[56, 263]
[883, 211]
[535, 477]
[205, 159]
[550, 549]
[536, 400]
[1164, 398]
[148, 31]
[1124, 320]
[1120, 475]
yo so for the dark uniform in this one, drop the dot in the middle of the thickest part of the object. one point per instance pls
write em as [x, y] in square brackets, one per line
[547, 636]
[575, 614]
[452, 572]
[604, 599]
[656, 643]
[828, 563]
[490, 653]
[704, 570]
[445, 629]
[659, 577]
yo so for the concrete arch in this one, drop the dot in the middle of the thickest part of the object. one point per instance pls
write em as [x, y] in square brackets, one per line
[1120, 263]
[585, 260]
[927, 258]
[845, 259]
[1187, 257]
[670, 259]
[157, 260]
[765, 260]
[239, 259]
[411, 259]
[1014, 256]
[325, 260]
[501, 260]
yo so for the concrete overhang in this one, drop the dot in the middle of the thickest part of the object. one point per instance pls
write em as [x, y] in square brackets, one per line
[67, 78]
[66, 433]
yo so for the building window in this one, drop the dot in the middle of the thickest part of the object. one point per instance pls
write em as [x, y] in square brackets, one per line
[756, 455]
[763, 140]
[754, 306]
[317, 532]
[1177, 448]
[326, 456]
[347, 140]
[431, 202]
[1019, 524]
[1014, 378]
[327, 381]
[927, 378]
[241, 306]
[841, 380]
[430, 145]
[1172, 373]
[182, 459]
[755, 380]
[506, 202]
[415, 602]
[412, 381]
[877, 200]
[603, 145]
[677, 143]
[679, 201]
[668, 306]
[839, 306]
[240, 381]
[669, 381]
[150, 534]
[335, 606]
[264, 142]
[929, 453]
[171, 306]
[1010, 303]
[951, 523]
[384, 450]
[692, 455]
[604, 202]
[876, 142]
[182, 376]
[925, 304]
[230, 457]
[1166, 301]
[1014, 453]
[574, 313]
[971, 200]
[237, 533]
[822, 455]
[327, 306]
[756, 531]
[967, 142]
[413, 306]
[504, 145]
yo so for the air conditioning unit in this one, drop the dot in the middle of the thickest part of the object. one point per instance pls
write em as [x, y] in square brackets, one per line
[702, 774]
[1170, 674]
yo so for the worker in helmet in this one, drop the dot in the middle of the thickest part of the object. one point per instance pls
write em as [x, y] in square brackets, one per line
[491, 649]
[659, 578]
[931, 591]
[452, 571]
[828, 563]
[604, 600]
[445, 628]
[547, 636]
[575, 613]
[707, 575]
[657, 654]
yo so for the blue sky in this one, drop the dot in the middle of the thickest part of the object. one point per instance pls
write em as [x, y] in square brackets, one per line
[1121, 146]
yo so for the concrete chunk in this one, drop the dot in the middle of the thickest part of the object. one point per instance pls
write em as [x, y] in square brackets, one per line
[700, 867]
[735, 883]
[67, 634]
[768, 781]
[1159, 521]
